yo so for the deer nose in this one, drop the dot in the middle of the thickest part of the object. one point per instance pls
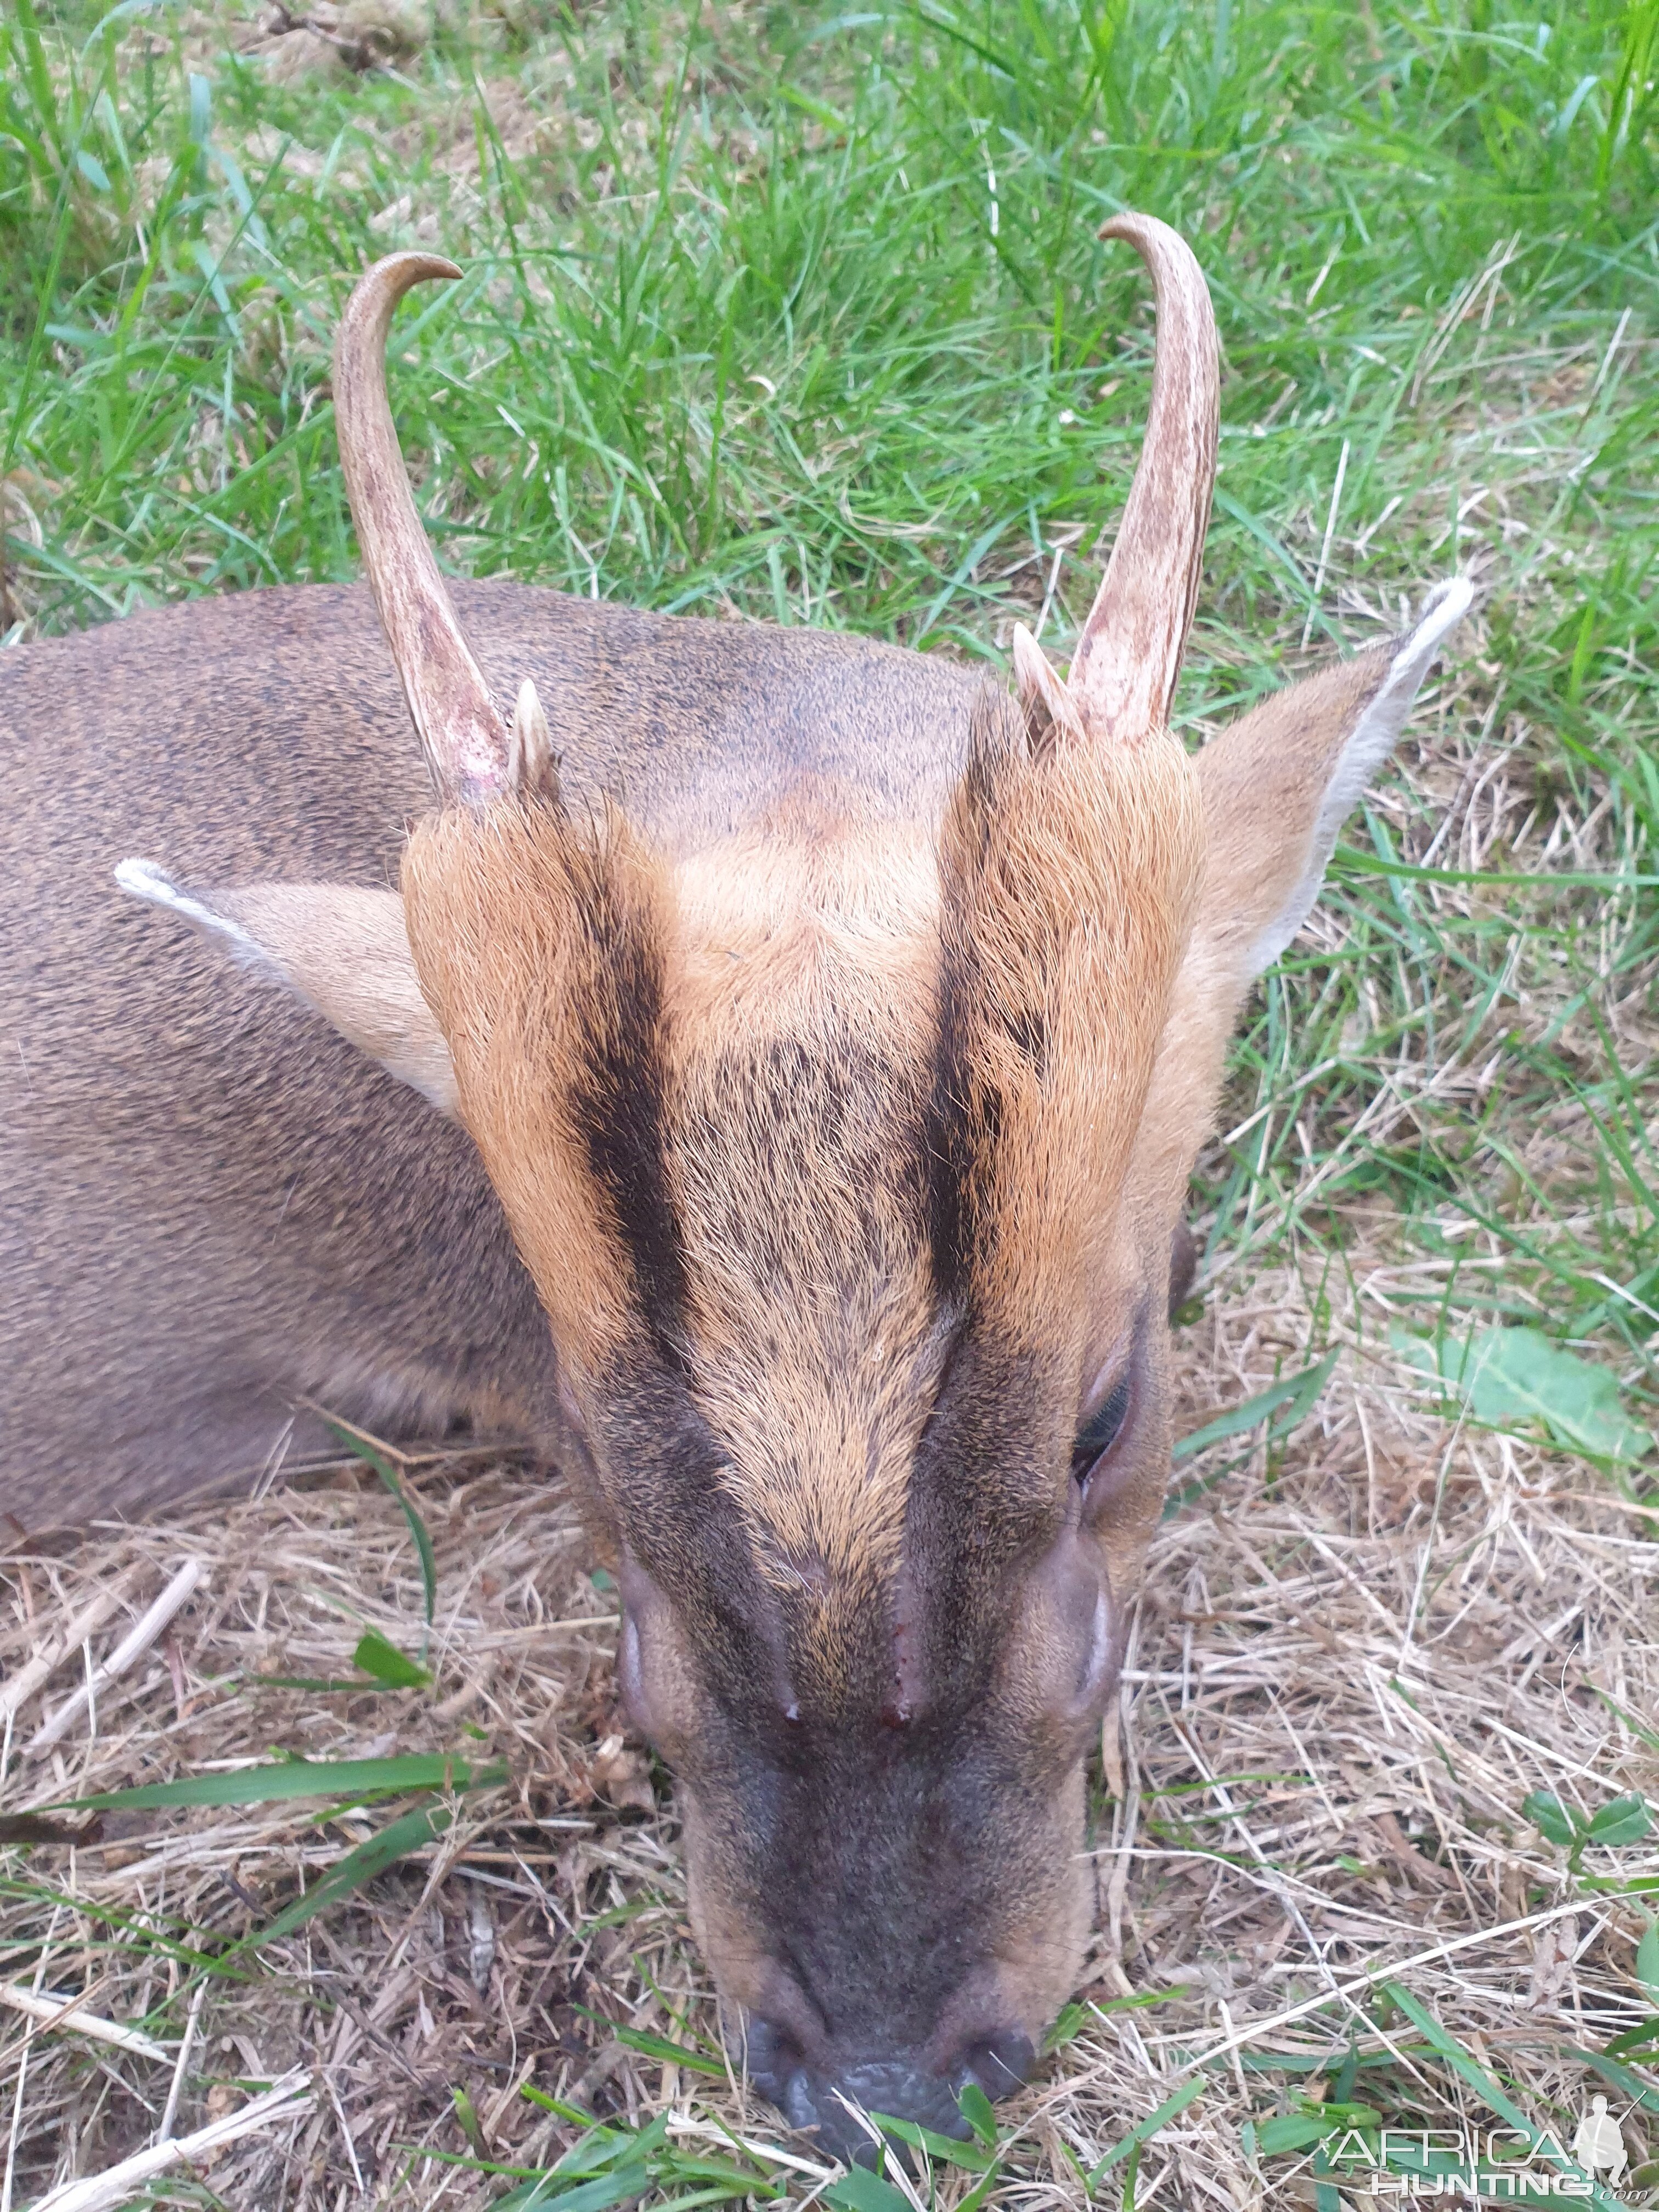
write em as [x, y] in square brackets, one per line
[819, 2096]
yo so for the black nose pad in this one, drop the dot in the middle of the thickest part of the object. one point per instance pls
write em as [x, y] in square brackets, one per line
[999, 2063]
[777, 2069]
[817, 2100]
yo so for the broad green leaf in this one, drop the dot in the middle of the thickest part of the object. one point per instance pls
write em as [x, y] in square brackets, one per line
[860, 2191]
[1647, 1961]
[411, 1832]
[1550, 1817]
[1294, 2131]
[1313, 2123]
[1508, 1378]
[1623, 1820]
[344, 1778]
[1297, 1394]
[383, 1660]
[975, 2108]
[1070, 2021]
[953, 2150]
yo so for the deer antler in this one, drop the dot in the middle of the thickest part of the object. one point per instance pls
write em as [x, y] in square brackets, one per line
[462, 732]
[1123, 674]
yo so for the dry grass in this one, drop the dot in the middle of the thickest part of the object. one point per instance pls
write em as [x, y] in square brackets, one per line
[1353, 1664]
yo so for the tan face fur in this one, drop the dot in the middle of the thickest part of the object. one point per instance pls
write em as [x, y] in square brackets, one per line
[810, 1151]
[845, 1165]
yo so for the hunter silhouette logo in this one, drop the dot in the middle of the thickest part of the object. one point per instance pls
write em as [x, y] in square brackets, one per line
[1598, 2146]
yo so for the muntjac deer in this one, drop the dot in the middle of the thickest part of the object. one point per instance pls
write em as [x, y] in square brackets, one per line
[771, 1093]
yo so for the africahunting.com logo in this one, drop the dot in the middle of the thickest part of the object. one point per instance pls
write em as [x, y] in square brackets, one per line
[1493, 2166]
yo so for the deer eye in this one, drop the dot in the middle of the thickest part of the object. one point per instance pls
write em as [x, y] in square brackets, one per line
[1099, 1432]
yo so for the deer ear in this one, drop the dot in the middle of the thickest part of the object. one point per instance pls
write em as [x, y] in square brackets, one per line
[1278, 784]
[342, 950]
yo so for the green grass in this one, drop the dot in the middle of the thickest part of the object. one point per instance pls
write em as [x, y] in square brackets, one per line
[801, 314]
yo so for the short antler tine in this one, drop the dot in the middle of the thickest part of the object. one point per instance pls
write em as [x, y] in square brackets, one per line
[1123, 675]
[464, 736]
[531, 769]
[1043, 692]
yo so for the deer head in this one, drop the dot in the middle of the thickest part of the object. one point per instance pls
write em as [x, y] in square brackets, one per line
[845, 1153]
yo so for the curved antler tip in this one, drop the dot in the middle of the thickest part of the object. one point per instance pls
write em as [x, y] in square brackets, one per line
[1124, 670]
[396, 272]
[1129, 223]
[1147, 233]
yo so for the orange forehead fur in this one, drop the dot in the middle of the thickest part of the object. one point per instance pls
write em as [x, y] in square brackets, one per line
[797, 1049]
[1071, 884]
[498, 908]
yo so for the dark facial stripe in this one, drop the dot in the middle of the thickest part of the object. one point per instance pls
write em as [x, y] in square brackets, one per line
[619, 1106]
[966, 1113]
[956, 1141]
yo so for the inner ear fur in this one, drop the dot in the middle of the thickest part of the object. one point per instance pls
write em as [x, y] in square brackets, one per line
[341, 947]
[1276, 785]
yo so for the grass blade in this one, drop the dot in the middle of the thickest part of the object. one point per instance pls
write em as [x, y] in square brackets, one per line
[1144, 2131]
[1296, 1395]
[360, 1448]
[343, 1779]
[412, 1833]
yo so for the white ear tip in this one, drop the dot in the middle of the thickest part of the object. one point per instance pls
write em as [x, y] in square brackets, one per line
[1448, 602]
[143, 879]
[1454, 594]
